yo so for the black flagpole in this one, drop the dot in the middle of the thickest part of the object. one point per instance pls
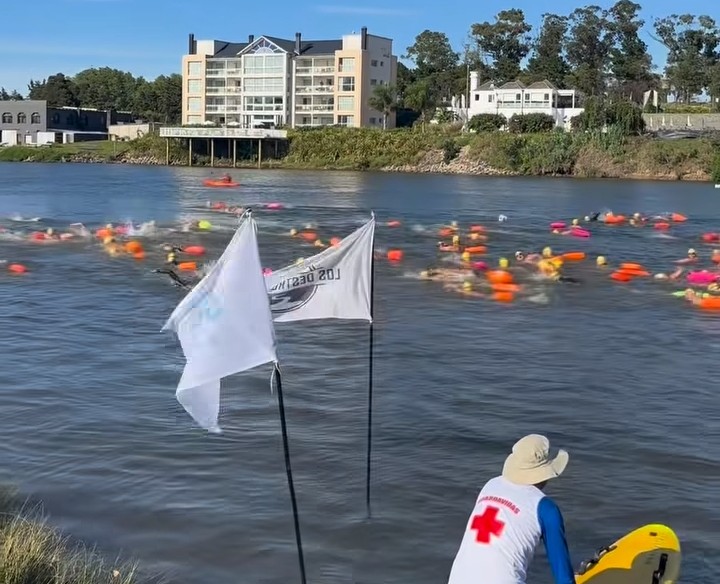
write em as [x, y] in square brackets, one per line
[370, 379]
[288, 469]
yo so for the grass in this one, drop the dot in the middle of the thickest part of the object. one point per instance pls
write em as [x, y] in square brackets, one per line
[33, 552]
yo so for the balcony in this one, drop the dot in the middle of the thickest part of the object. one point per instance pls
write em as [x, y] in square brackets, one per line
[315, 108]
[215, 73]
[222, 109]
[315, 70]
[234, 72]
[223, 90]
[314, 89]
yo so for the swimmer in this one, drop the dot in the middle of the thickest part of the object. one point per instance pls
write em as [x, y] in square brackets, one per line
[226, 178]
[293, 232]
[447, 247]
[444, 274]
[177, 280]
[593, 217]
[575, 223]
[547, 252]
[319, 243]
[464, 288]
[171, 258]
[601, 262]
[524, 258]
[692, 257]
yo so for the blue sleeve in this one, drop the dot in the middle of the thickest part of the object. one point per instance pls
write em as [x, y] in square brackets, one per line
[553, 535]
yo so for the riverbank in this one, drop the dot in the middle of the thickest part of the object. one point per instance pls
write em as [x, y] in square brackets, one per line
[434, 150]
[33, 552]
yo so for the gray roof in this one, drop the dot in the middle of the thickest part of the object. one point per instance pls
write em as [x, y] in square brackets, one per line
[326, 47]
[545, 84]
[486, 86]
[512, 85]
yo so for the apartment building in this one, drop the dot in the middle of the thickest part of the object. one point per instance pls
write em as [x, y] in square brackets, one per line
[268, 82]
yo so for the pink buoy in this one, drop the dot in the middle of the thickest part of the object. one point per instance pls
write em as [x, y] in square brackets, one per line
[557, 225]
[577, 232]
[267, 271]
[481, 266]
[702, 277]
[274, 206]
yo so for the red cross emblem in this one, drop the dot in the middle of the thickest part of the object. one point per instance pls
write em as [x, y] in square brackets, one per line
[487, 524]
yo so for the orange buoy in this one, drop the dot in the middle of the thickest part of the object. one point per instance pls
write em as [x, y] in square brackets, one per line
[476, 249]
[103, 233]
[662, 226]
[139, 255]
[710, 303]
[620, 277]
[678, 218]
[187, 266]
[17, 269]
[615, 219]
[194, 250]
[310, 236]
[394, 223]
[505, 288]
[499, 277]
[573, 256]
[446, 232]
[477, 229]
[395, 255]
[634, 273]
[627, 266]
[503, 297]
[335, 241]
[133, 247]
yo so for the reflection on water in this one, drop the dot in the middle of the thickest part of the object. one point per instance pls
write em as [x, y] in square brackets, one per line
[619, 375]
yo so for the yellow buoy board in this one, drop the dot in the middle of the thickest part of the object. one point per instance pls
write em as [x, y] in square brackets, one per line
[648, 555]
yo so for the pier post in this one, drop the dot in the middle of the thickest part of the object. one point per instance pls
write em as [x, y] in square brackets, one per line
[212, 152]
[259, 153]
[189, 151]
[167, 151]
[234, 149]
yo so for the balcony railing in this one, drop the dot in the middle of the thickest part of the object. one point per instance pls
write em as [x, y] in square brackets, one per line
[315, 70]
[222, 90]
[315, 108]
[222, 109]
[234, 72]
[215, 73]
[314, 89]
[526, 104]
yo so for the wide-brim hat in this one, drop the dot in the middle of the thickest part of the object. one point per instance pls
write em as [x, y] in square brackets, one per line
[530, 462]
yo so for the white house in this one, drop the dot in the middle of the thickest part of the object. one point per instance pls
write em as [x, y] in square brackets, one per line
[514, 97]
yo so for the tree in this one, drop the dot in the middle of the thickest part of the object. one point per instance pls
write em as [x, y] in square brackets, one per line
[630, 62]
[169, 98]
[691, 44]
[506, 41]
[106, 88]
[434, 60]
[422, 97]
[57, 90]
[405, 78]
[588, 50]
[548, 60]
[12, 96]
[384, 100]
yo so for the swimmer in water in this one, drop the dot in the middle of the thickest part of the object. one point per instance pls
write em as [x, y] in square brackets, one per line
[444, 274]
[601, 262]
[593, 217]
[226, 178]
[465, 288]
[523, 258]
[177, 280]
[673, 276]
[171, 258]
[692, 257]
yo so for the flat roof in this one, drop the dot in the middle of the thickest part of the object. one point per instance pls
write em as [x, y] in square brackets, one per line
[220, 132]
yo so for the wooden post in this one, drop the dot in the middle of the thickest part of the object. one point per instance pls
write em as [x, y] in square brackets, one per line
[189, 151]
[167, 151]
[276, 148]
[234, 152]
[259, 153]
[212, 152]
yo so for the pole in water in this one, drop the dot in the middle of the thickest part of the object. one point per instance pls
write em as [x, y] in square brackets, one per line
[370, 381]
[288, 469]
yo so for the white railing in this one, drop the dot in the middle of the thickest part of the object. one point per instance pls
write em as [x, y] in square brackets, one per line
[315, 108]
[222, 109]
[314, 89]
[215, 73]
[315, 70]
[222, 90]
[180, 132]
[234, 72]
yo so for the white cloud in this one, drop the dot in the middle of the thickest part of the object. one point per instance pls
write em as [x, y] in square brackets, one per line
[363, 10]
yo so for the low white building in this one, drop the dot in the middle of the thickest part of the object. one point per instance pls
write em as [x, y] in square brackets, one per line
[514, 97]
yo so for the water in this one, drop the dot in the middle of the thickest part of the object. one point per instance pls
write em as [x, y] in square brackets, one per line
[622, 376]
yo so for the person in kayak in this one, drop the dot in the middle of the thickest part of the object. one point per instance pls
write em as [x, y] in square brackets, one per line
[226, 178]
[511, 515]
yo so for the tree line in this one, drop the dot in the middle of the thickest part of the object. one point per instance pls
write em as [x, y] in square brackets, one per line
[105, 88]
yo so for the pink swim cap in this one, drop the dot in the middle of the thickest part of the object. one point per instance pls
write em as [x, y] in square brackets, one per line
[267, 271]
[479, 266]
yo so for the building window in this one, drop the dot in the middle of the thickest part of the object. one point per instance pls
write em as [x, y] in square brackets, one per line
[373, 63]
[346, 120]
[347, 65]
[265, 103]
[35, 118]
[194, 119]
[518, 97]
[263, 64]
[194, 104]
[372, 120]
[265, 84]
[347, 83]
[527, 97]
[547, 97]
[382, 63]
[56, 118]
[373, 82]
[22, 118]
[7, 118]
[194, 86]
[194, 69]
[491, 97]
[264, 47]
[346, 103]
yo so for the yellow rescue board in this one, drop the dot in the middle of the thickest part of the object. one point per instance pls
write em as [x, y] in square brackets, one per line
[648, 555]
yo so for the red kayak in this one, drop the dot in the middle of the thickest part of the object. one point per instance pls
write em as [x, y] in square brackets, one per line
[209, 182]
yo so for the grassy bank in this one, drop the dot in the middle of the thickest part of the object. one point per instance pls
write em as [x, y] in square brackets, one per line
[435, 149]
[32, 552]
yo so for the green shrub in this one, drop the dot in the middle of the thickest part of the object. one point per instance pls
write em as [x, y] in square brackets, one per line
[531, 123]
[450, 151]
[486, 122]
[715, 170]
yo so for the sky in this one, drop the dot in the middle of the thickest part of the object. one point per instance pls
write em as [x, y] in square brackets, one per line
[149, 37]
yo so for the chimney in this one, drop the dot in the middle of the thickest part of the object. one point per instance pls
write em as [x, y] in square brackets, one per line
[363, 38]
[298, 41]
[251, 38]
[191, 44]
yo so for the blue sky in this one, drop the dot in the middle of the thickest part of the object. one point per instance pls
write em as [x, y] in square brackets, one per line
[148, 37]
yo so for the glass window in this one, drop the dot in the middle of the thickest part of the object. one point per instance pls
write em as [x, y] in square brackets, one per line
[346, 103]
[7, 118]
[265, 84]
[22, 118]
[527, 97]
[194, 104]
[346, 120]
[347, 83]
[268, 103]
[263, 64]
[35, 118]
[518, 97]
[347, 64]
[195, 86]
[547, 97]
[373, 63]
[194, 69]
[373, 82]
[490, 98]
[194, 119]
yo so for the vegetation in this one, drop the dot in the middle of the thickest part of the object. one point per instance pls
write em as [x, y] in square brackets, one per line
[531, 123]
[32, 552]
[486, 122]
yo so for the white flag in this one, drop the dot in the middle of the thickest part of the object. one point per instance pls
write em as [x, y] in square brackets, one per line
[336, 283]
[224, 326]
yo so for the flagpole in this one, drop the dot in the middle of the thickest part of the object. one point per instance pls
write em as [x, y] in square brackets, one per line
[370, 377]
[288, 469]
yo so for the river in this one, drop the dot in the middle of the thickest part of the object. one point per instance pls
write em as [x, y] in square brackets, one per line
[620, 375]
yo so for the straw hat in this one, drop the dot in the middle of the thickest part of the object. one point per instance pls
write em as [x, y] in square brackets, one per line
[530, 462]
